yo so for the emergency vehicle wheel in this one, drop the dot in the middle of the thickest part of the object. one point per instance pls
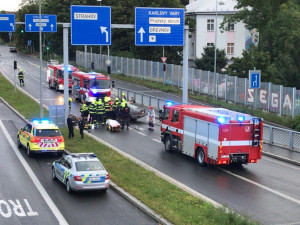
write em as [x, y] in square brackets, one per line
[18, 142]
[168, 145]
[68, 186]
[200, 157]
[53, 174]
[29, 152]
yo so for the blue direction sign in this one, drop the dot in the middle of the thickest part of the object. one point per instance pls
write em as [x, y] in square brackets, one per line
[7, 23]
[254, 78]
[159, 26]
[48, 23]
[90, 25]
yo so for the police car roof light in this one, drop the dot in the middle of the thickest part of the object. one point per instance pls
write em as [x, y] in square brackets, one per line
[83, 154]
[45, 121]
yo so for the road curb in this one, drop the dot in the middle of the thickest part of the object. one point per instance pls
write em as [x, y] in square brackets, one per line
[294, 162]
[148, 211]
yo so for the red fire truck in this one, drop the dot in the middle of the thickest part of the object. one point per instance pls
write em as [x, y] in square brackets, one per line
[55, 76]
[88, 86]
[211, 135]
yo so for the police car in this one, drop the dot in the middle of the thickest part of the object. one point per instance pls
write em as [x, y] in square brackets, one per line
[81, 171]
[41, 136]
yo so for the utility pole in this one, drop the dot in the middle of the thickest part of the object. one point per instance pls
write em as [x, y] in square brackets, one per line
[41, 61]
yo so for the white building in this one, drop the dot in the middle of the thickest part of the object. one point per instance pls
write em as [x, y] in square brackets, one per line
[234, 40]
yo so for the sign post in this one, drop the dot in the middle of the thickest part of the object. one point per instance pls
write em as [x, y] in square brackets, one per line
[7, 23]
[48, 23]
[254, 82]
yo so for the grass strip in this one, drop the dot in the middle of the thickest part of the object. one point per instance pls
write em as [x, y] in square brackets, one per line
[174, 204]
[20, 101]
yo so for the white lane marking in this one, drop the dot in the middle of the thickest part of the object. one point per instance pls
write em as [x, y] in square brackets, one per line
[158, 141]
[39, 186]
[34, 64]
[141, 133]
[282, 163]
[295, 223]
[297, 201]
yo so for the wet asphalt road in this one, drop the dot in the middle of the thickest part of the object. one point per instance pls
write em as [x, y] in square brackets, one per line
[267, 191]
[77, 208]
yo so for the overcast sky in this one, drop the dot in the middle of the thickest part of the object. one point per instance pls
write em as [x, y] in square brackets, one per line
[10, 5]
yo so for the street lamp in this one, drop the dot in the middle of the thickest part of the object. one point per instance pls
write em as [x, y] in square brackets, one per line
[216, 33]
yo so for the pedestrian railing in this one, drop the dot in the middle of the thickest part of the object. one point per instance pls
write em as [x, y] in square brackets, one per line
[272, 135]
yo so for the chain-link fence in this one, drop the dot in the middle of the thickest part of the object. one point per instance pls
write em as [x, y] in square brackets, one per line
[270, 97]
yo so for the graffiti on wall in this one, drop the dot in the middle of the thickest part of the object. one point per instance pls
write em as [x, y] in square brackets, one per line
[252, 38]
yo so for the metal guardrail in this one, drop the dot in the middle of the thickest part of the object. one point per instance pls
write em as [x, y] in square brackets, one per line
[270, 97]
[272, 135]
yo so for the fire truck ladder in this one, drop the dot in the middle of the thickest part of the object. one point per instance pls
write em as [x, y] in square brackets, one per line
[256, 135]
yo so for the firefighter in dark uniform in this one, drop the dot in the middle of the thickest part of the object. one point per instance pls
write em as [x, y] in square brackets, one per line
[84, 110]
[21, 77]
[123, 96]
[110, 110]
[81, 126]
[100, 111]
[92, 111]
[119, 113]
[70, 103]
[115, 108]
[106, 108]
[125, 116]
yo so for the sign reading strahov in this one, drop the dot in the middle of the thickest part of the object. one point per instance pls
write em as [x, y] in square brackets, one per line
[7, 23]
[48, 23]
[159, 26]
[90, 25]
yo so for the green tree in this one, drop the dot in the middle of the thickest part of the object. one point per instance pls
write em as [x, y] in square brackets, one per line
[123, 12]
[253, 58]
[279, 34]
[22, 37]
[206, 62]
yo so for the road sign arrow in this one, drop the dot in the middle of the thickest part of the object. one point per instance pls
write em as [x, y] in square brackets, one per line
[141, 31]
[29, 26]
[51, 27]
[12, 25]
[103, 29]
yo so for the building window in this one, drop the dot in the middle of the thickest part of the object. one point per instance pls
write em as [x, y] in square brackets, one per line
[210, 25]
[210, 45]
[230, 27]
[230, 48]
